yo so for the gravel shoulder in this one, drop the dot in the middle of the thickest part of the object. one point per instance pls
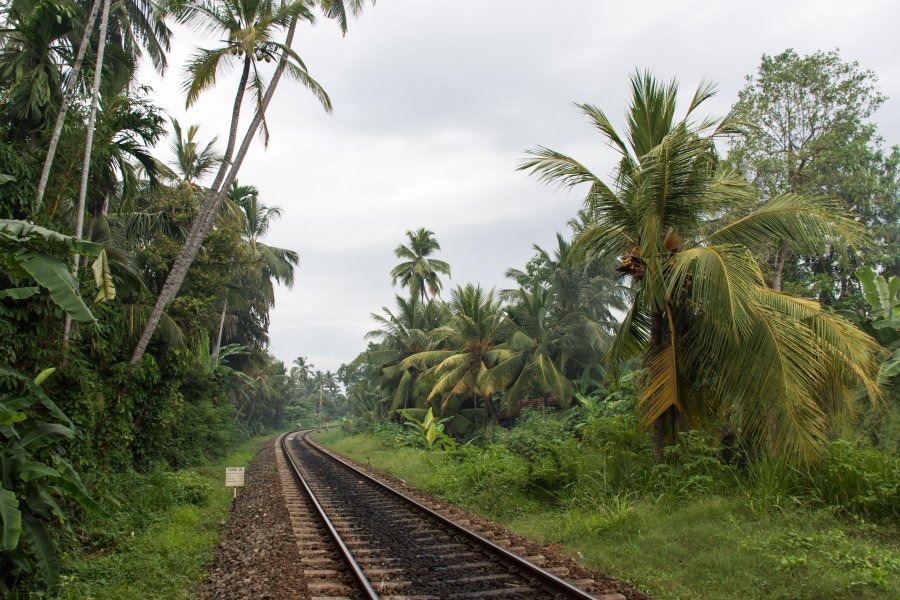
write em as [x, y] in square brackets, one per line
[257, 557]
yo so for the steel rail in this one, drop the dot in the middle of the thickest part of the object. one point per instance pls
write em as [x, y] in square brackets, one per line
[362, 581]
[560, 588]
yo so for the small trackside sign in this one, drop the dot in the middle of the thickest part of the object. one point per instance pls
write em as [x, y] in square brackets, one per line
[234, 477]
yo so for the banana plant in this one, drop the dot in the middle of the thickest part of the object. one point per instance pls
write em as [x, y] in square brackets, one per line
[882, 296]
[31, 257]
[36, 482]
[430, 429]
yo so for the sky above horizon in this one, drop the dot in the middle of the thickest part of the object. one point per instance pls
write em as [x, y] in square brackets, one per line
[434, 106]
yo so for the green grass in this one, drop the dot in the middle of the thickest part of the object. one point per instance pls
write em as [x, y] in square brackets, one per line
[712, 546]
[162, 537]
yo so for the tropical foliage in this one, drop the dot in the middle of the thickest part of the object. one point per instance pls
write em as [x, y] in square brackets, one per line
[92, 224]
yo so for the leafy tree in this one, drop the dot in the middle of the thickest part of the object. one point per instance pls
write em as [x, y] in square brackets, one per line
[418, 272]
[32, 46]
[810, 133]
[720, 346]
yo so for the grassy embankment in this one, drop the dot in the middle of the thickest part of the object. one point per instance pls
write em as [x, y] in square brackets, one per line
[722, 543]
[160, 538]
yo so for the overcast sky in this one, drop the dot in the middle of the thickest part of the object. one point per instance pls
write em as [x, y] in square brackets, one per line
[434, 105]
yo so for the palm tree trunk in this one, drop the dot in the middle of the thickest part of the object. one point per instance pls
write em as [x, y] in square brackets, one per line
[218, 345]
[205, 221]
[232, 138]
[491, 408]
[66, 102]
[88, 145]
[782, 255]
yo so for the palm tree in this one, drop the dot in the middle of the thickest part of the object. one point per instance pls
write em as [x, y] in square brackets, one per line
[402, 334]
[723, 347]
[136, 25]
[192, 161]
[461, 368]
[32, 48]
[228, 171]
[302, 369]
[271, 264]
[417, 271]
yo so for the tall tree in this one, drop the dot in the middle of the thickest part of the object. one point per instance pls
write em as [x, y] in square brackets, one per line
[136, 25]
[228, 171]
[270, 263]
[810, 133]
[723, 347]
[418, 272]
[467, 349]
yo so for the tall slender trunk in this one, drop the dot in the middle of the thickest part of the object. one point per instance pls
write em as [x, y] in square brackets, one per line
[88, 145]
[232, 140]
[66, 102]
[206, 218]
[218, 345]
[491, 408]
[777, 272]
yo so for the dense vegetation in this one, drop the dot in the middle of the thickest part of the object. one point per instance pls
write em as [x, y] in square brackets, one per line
[168, 366]
[716, 337]
[711, 319]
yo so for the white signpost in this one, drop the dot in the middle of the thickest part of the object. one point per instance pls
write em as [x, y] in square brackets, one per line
[234, 478]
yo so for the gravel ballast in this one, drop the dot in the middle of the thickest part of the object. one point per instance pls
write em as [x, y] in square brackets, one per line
[257, 557]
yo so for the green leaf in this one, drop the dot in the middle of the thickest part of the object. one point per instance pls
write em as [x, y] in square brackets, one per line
[877, 291]
[41, 546]
[71, 482]
[19, 293]
[103, 279]
[4, 178]
[43, 375]
[12, 520]
[29, 235]
[891, 323]
[43, 434]
[9, 417]
[53, 274]
[32, 470]
[36, 393]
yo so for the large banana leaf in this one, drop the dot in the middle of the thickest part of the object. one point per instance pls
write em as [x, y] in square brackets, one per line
[42, 549]
[105, 289]
[23, 231]
[52, 273]
[12, 520]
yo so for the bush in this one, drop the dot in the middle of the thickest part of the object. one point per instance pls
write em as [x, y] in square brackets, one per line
[858, 480]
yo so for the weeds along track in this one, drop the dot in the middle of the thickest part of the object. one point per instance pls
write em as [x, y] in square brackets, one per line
[361, 539]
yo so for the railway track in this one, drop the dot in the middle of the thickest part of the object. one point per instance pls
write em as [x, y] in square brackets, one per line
[359, 538]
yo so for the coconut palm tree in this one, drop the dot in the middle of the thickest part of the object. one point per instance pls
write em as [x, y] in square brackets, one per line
[402, 334]
[32, 48]
[192, 162]
[418, 272]
[301, 370]
[271, 264]
[132, 25]
[289, 62]
[721, 347]
[460, 369]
